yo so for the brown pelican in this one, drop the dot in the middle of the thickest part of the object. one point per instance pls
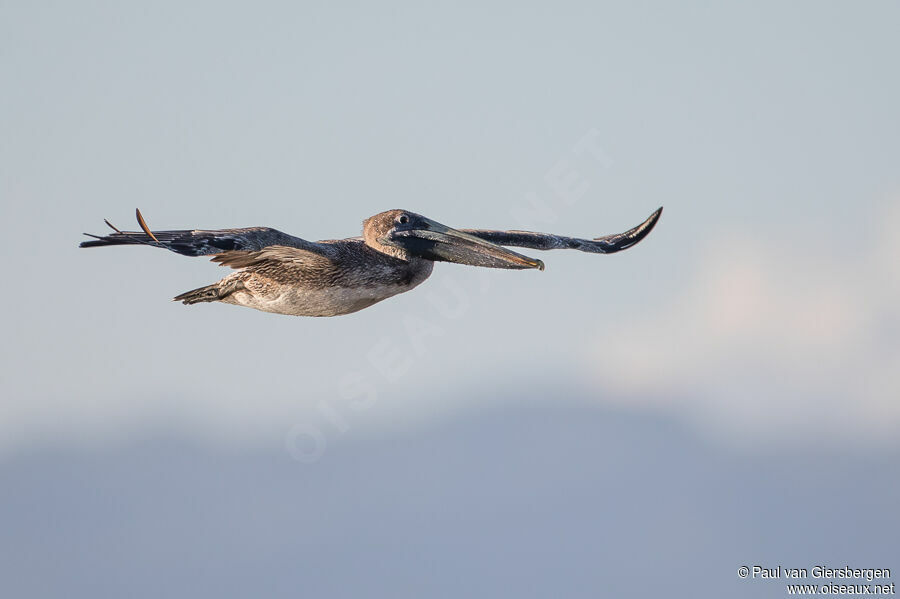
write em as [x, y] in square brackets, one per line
[277, 272]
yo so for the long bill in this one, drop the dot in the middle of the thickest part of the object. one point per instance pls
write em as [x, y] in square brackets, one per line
[438, 242]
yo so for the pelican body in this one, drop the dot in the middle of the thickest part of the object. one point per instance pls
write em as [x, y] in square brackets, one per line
[279, 273]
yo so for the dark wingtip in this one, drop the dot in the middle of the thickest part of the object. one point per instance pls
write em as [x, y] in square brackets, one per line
[652, 220]
[622, 241]
[95, 241]
[643, 229]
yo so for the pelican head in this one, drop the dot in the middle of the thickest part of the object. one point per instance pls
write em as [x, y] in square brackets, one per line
[404, 234]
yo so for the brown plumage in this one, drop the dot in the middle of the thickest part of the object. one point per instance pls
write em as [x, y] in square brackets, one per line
[277, 272]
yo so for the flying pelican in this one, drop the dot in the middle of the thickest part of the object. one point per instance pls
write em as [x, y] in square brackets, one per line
[280, 273]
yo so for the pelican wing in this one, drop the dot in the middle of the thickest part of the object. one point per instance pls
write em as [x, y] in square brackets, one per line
[200, 242]
[275, 255]
[608, 244]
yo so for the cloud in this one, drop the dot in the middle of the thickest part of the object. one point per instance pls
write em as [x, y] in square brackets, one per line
[774, 339]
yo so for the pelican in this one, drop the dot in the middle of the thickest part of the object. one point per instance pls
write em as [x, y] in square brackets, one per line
[280, 273]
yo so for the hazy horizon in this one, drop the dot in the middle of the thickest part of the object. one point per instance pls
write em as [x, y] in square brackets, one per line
[754, 329]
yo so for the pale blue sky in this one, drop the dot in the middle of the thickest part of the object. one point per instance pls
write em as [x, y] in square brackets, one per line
[764, 127]
[723, 394]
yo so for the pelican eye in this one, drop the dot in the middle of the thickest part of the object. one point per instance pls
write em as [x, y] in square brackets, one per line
[403, 219]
